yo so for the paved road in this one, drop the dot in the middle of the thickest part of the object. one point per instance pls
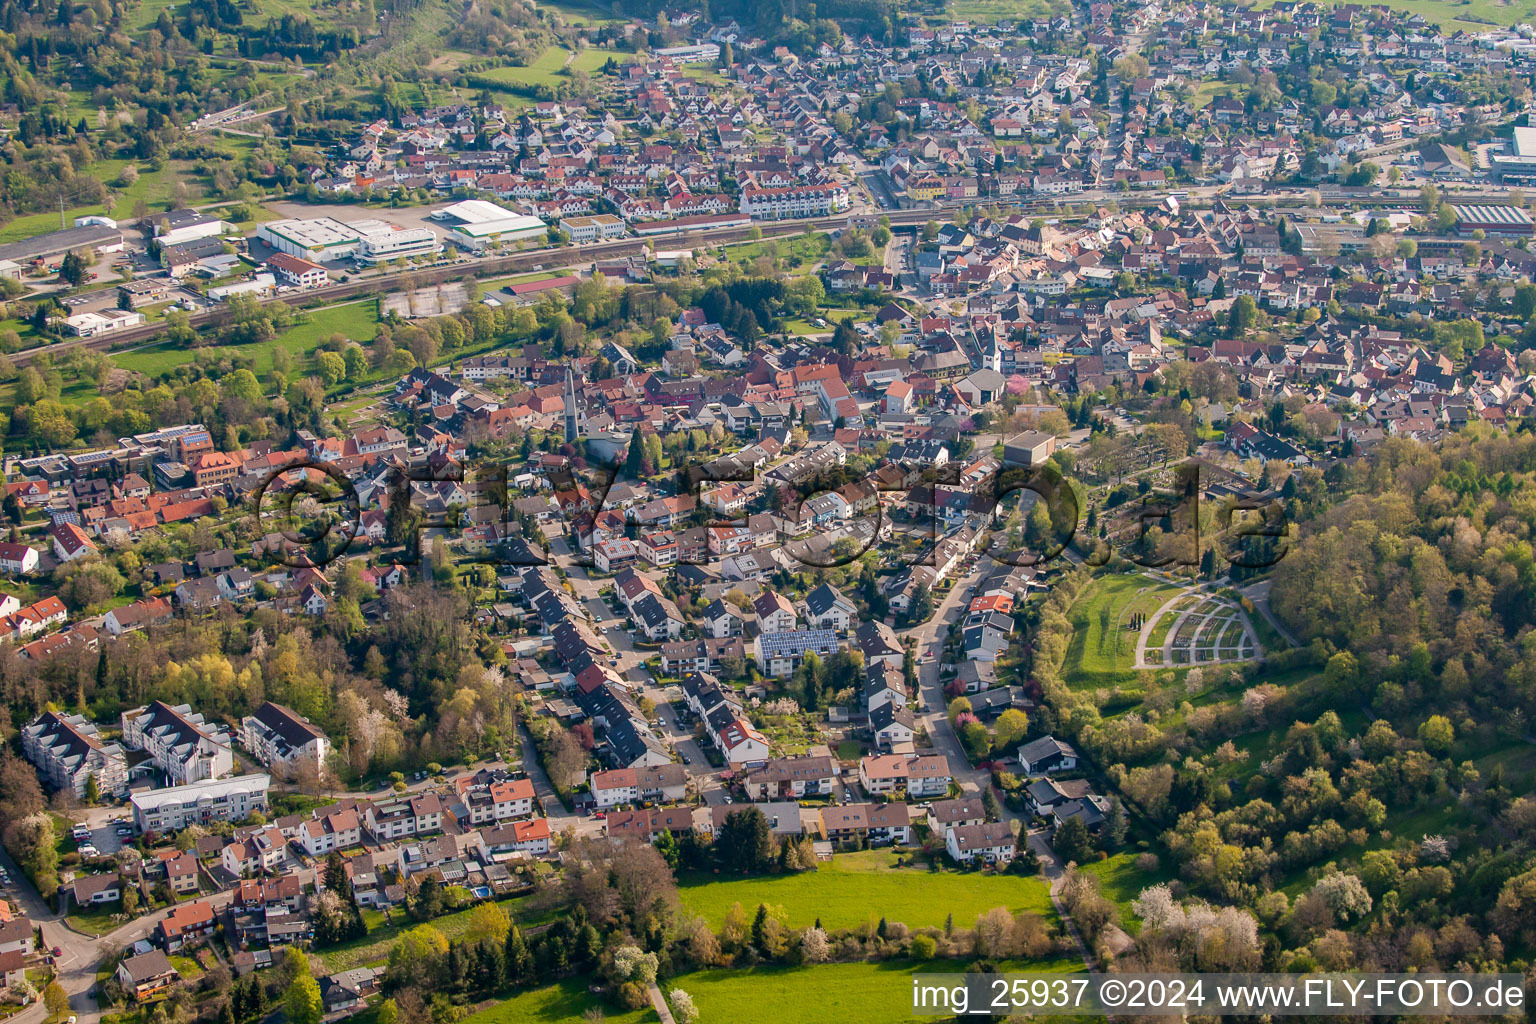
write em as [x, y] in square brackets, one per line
[931, 687]
[626, 658]
[81, 953]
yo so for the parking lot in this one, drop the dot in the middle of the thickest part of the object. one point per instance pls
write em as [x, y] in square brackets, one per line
[105, 835]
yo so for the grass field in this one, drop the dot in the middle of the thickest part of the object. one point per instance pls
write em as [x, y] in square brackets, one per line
[155, 188]
[859, 887]
[990, 11]
[551, 66]
[1455, 14]
[1103, 650]
[502, 282]
[797, 251]
[566, 1001]
[374, 947]
[357, 320]
[577, 12]
[707, 73]
[858, 993]
[1210, 91]
[1122, 881]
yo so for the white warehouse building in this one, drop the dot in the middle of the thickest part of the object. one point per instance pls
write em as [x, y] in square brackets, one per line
[476, 224]
[318, 239]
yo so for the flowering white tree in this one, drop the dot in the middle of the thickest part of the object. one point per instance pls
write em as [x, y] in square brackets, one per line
[814, 947]
[1345, 895]
[683, 1008]
[634, 964]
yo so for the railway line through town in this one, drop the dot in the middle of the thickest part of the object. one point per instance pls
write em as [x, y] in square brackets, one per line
[529, 260]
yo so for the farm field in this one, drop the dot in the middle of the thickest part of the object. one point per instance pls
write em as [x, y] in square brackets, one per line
[859, 887]
[858, 993]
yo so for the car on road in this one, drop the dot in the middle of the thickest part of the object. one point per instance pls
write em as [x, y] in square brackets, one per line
[600, 815]
[687, 759]
[58, 950]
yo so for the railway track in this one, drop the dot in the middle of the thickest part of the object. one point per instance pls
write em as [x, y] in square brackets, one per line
[497, 266]
[513, 263]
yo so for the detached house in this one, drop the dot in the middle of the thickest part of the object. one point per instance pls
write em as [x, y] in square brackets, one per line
[827, 608]
[991, 842]
[1045, 755]
[792, 778]
[916, 775]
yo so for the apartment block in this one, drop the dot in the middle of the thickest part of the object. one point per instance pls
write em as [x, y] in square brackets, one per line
[68, 751]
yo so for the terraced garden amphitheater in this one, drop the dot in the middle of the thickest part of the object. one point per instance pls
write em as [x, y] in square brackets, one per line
[1196, 628]
[1125, 622]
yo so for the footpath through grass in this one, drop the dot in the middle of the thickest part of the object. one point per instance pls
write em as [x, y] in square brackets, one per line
[1103, 648]
[863, 887]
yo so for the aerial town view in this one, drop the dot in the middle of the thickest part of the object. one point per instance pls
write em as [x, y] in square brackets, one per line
[780, 512]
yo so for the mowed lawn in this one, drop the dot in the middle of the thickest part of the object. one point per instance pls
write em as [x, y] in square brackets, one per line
[1103, 648]
[857, 993]
[558, 1004]
[357, 320]
[859, 887]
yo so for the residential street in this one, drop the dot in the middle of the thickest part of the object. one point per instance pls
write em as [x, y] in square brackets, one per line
[82, 953]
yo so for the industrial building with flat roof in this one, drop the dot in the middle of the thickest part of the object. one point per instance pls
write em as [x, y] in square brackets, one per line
[476, 223]
[88, 325]
[1518, 165]
[1500, 221]
[318, 239]
[599, 227]
[380, 242]
[53, 246]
